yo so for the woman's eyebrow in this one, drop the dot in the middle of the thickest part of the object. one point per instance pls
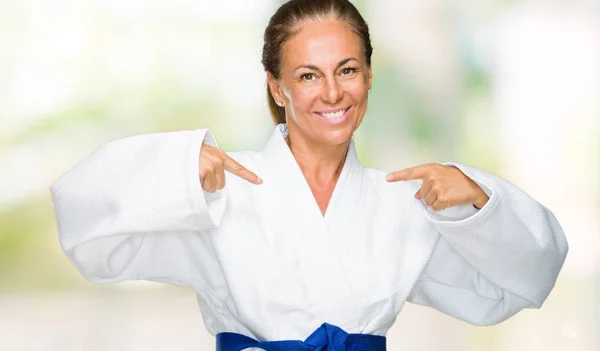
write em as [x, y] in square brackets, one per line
[313, 67]
[345, 61]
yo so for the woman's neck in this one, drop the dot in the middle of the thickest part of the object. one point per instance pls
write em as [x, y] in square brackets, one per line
[321, 164]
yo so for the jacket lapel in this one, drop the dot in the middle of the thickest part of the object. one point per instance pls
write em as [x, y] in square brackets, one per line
[310, 236]
[287, 174]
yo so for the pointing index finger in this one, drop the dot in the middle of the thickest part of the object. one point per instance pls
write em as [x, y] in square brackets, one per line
[233, 167]
[411, 173]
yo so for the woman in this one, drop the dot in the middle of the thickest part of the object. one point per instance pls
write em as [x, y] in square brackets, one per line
[318, 248]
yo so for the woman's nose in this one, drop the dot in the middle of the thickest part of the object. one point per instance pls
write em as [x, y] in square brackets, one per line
[332, 91]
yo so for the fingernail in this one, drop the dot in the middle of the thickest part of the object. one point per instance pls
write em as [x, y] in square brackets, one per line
[259, 180]
[389, 177]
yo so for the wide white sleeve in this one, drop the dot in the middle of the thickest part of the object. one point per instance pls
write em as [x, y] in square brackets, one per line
[135, 209]
[488, 264]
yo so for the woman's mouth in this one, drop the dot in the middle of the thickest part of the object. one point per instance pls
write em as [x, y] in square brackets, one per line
[335, 116]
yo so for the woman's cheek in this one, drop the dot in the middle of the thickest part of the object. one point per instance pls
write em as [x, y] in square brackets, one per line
[357, 87]
[304, 96]
[310, 90]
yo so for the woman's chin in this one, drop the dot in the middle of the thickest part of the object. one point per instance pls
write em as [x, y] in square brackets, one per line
[337, 137]
[329, 135]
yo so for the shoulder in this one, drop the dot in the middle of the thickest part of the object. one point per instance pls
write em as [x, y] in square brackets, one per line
[245, 158]
[398, 196]
[375, 178]
[249, 160]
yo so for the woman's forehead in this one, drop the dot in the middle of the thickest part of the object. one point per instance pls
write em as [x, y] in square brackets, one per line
[322, 43]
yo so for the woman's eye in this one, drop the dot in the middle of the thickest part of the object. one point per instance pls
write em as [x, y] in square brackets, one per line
[307, 76]
[347, 71]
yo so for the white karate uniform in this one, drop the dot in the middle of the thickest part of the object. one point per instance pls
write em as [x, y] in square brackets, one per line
[266, 263]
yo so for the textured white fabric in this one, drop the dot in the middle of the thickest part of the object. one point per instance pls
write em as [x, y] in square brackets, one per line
[265, 262]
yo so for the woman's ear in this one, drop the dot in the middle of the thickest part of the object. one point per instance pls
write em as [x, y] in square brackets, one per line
[275, 88]
[369, 78]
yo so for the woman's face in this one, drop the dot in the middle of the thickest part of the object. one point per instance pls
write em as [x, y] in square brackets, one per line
[324, 82]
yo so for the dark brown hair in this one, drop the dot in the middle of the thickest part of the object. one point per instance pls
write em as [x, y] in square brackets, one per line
[286, 22]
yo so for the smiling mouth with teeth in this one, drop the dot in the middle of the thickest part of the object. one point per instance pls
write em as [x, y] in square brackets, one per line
[336, 114]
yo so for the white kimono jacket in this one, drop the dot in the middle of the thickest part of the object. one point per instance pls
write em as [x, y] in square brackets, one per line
[266, 263]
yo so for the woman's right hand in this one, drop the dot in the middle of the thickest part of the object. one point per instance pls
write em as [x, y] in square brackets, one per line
[213, 164]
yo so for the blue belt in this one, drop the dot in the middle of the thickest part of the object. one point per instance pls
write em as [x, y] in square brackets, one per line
[326, 338]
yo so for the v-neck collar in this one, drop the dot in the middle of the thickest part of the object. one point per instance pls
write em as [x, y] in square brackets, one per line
[312, 240]
[287, 174]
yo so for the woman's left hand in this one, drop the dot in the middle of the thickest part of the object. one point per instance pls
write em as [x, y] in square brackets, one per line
[443, 186]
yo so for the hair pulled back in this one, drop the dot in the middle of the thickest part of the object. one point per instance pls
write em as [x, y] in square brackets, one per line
[287, 21]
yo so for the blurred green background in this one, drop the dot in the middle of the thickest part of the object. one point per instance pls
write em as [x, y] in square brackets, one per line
[512, 87]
